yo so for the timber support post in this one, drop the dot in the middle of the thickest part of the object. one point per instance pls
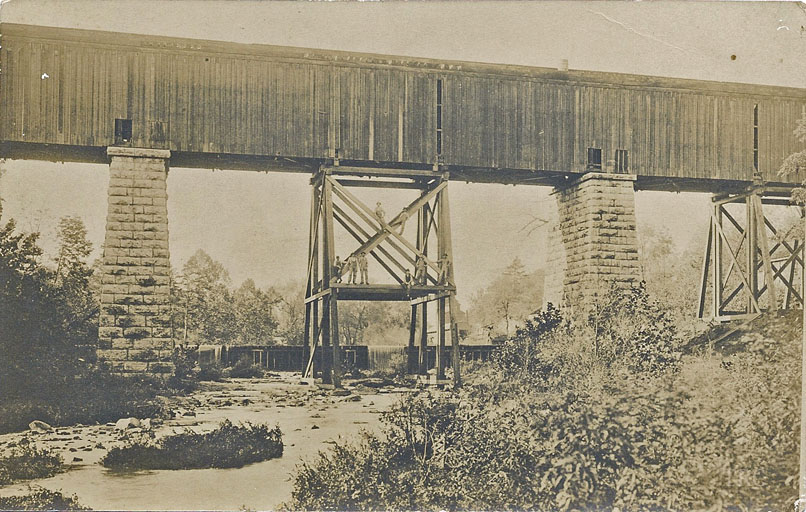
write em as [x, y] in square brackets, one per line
[134, 334]
[416, 276]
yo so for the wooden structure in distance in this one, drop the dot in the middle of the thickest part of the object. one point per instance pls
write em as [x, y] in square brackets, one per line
[748, 262]
[420, 278]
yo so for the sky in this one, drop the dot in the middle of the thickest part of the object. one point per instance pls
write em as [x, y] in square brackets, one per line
[256, 224]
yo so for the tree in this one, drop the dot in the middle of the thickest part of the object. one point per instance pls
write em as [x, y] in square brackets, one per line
[42, 327]
[74, 276]
[74, 248]
[795, 163]
[254, 314]
[291, 312]
[509, 300]
[210, 313]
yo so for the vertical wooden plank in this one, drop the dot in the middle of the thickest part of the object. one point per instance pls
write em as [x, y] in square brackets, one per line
[440, 363]
[445, 227]
[411, 355]
[422, 245]
[704, 275]
[400, 118]
[371, 121]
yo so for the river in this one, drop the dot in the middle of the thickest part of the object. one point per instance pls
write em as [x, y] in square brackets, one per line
[310, 420]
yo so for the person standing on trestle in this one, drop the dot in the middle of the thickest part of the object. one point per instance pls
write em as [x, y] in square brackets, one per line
[338, 267]
[379, 212]
[352, 268]
[363, 268]
[419, 271]
[444, 269]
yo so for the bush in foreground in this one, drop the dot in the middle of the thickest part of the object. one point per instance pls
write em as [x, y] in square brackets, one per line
[583, 417]
[28, 463]
[41, 499]
[229, 446]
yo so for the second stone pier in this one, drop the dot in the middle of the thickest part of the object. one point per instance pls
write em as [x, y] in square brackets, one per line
[594, 245]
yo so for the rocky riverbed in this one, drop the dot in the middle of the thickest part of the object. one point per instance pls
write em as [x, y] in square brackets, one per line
[309, 417]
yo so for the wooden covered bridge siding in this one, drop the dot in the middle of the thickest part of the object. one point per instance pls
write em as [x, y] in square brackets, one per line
[211, 98]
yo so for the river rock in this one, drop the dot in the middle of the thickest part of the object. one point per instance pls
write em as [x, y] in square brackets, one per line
[127, 423]
[39, 427]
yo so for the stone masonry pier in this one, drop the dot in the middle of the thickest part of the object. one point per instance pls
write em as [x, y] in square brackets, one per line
[135, 320]
[593, 244]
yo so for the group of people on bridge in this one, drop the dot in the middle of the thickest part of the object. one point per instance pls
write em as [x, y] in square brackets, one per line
[357, 265]
[354, 265]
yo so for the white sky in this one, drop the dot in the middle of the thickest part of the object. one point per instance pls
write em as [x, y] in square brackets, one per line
[256, 224]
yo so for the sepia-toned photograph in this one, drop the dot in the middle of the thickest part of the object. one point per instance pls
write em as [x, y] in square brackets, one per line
[445, 256]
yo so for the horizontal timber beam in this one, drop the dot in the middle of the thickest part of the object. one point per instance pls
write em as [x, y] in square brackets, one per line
[383, 184]
[16, 150]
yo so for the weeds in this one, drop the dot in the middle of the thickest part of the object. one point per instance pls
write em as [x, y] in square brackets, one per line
[28, 463]
[41, 499]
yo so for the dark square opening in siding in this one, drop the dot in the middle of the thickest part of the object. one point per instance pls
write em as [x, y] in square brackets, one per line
[595, 158]
[622, 161]
[123, 131]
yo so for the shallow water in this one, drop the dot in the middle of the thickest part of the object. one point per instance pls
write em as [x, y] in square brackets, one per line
[260, 486]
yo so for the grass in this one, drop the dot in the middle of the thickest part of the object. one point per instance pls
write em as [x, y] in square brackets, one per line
[28, 463]
[41, 499]
[228, 446]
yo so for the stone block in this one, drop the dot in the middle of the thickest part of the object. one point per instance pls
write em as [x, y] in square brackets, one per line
[134, 366]
[119, 200]
[113, 355]
[121, 343]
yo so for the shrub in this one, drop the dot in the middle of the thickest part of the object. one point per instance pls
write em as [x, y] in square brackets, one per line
[619, 425]
[93, 396]
[211, 372]
[228, 446]
[244, 369]
[185, 373]
[41, 499]
[28, 463]
[626, 325]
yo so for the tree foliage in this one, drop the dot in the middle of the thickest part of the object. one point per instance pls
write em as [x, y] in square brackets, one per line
[508, 301]
[48, 336]
[212, 312]
[46, 324]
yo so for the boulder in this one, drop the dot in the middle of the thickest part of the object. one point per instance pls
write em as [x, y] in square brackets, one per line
[146, 424]
[39, 427]
[127, 423]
